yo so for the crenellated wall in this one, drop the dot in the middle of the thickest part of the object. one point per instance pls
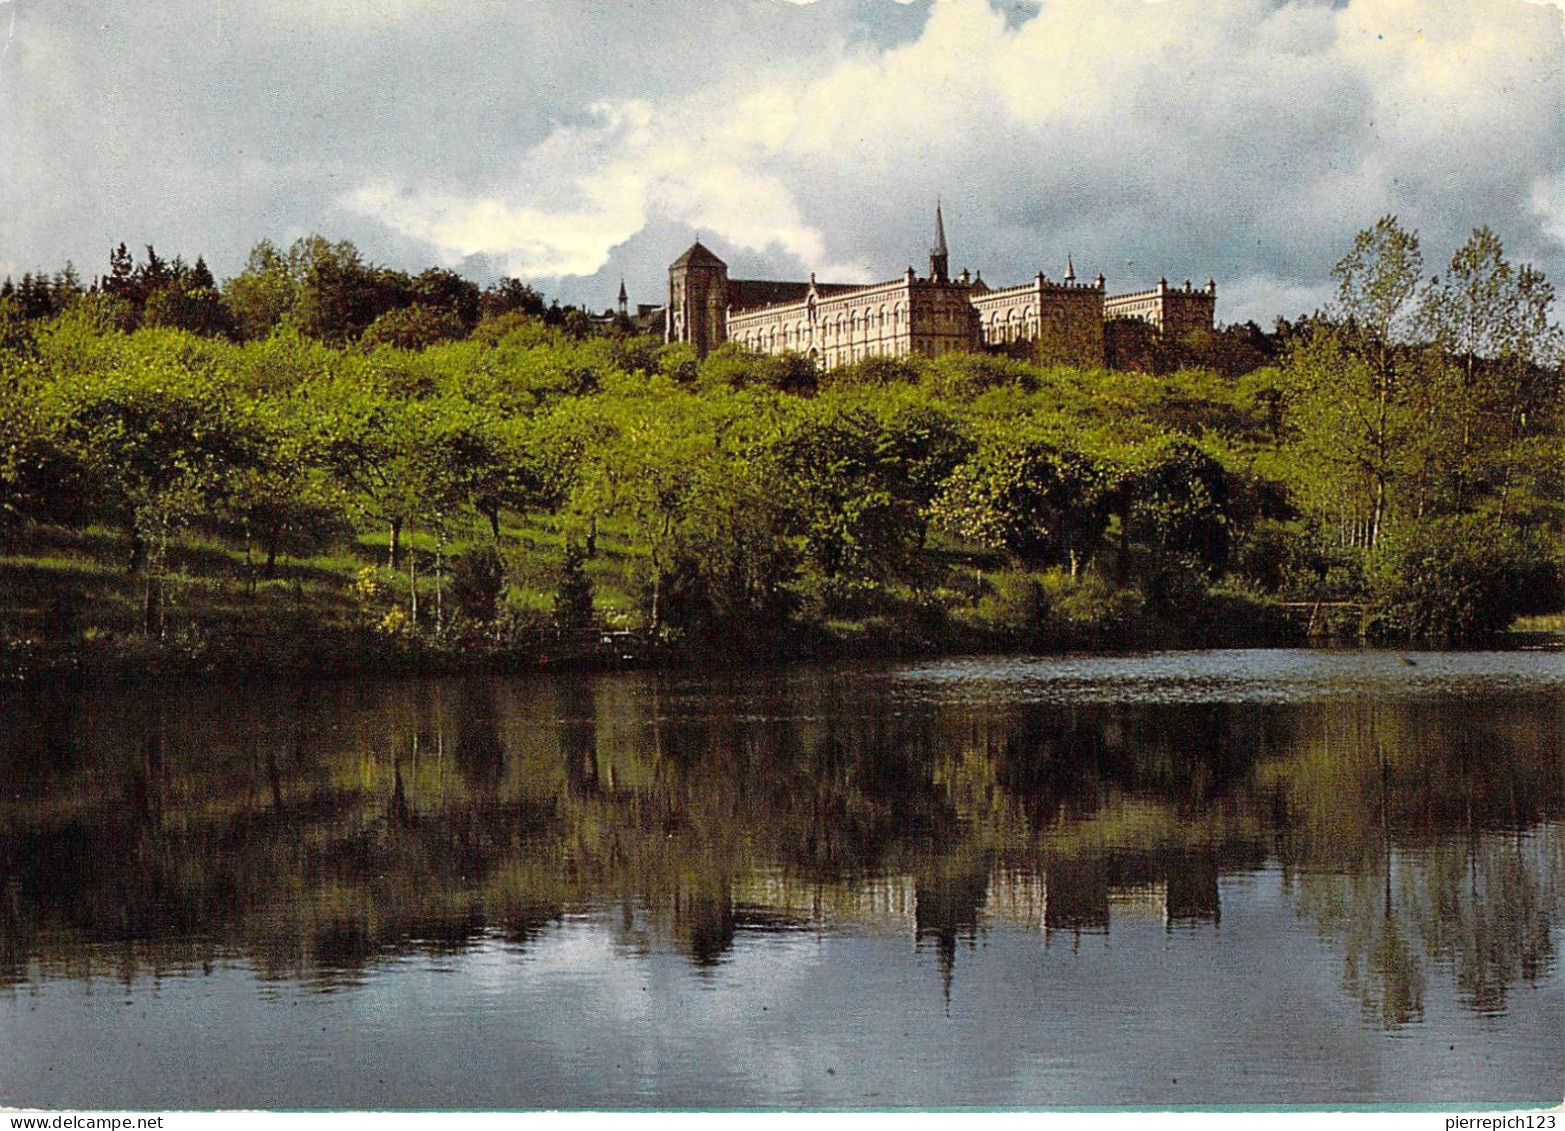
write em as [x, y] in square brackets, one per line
[1172, 310]
[1062, 322]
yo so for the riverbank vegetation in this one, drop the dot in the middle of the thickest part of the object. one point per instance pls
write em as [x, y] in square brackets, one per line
[322, 463]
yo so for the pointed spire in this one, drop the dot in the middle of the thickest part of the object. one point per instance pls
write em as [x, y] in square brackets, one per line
[1070, 270]
[939, 257]
[623, 297]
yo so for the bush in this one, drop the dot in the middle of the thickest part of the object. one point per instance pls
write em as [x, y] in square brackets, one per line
[1011, 604]
[1274, 554]
[1453, 580]
[477, 580]
[573, 594]
[1089, 606]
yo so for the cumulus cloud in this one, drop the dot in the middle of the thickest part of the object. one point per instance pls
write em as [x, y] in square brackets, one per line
[1244, 139]
[1247, 141]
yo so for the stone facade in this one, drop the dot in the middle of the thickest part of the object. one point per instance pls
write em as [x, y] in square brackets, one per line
[1057, 323]
[838, 324]
[1173, 311]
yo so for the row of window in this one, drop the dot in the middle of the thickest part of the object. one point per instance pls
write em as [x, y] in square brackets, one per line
[1014, 325]
[795, 335]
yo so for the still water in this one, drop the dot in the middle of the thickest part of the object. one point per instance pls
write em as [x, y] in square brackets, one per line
[1179, 879]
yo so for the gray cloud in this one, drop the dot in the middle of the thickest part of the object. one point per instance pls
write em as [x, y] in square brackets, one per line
[575, 143]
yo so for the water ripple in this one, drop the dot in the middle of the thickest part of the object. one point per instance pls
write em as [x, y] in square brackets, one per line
[1235, 676]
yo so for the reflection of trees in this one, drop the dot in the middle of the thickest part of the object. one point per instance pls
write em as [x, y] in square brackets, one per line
[1394, 822]
[316, 833]
[1485, 910]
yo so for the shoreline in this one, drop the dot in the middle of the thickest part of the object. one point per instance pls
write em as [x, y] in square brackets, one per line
[161, 663]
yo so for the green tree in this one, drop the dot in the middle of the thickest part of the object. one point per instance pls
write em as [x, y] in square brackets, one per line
[369, 441]
[1358, 389]
[263, 294]
[414, 327]
[281, 498]
[732, 563]
[160, 443]
[1175, 500]
[1032, 495]
[859, 469]
[1455, 580]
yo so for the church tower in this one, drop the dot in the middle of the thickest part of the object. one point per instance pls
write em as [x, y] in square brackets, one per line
[939, 256]
[698, 300]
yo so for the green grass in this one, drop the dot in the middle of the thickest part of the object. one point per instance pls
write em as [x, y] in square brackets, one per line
[60, 585]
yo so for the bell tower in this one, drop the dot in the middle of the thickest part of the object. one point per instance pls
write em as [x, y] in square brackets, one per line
[698, 300]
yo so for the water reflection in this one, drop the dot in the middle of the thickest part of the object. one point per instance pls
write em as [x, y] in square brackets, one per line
[320, 832]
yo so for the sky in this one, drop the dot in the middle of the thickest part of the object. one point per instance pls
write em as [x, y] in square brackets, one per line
[573, 144]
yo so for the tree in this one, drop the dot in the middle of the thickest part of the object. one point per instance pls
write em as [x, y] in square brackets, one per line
[282, 498]
[1175, 499]
[1358, 389]
[369, 442]
[413, 327]
[262, 295]
[1455, 580]
[731, 562]
[477, 581]
[1490, 322]
[447, 291]
[182, 304]
[339, 295]
[42, 478]
[1031, 495]
[508, 296]
[1467, 314]
[858, 469]
[160, 444]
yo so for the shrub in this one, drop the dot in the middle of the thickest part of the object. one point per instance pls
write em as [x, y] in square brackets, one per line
[573, 593]
[1453, 580]
[477, 580]
[1012, 603]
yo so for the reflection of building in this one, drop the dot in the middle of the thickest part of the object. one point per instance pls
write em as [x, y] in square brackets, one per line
[1086, 894]
[838, 324]
[884, 904]
[1072, 893]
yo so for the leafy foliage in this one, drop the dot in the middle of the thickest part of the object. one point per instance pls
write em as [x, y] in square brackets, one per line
[1404, 451]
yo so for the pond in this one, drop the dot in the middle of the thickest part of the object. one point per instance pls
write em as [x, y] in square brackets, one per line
[1214, 878]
